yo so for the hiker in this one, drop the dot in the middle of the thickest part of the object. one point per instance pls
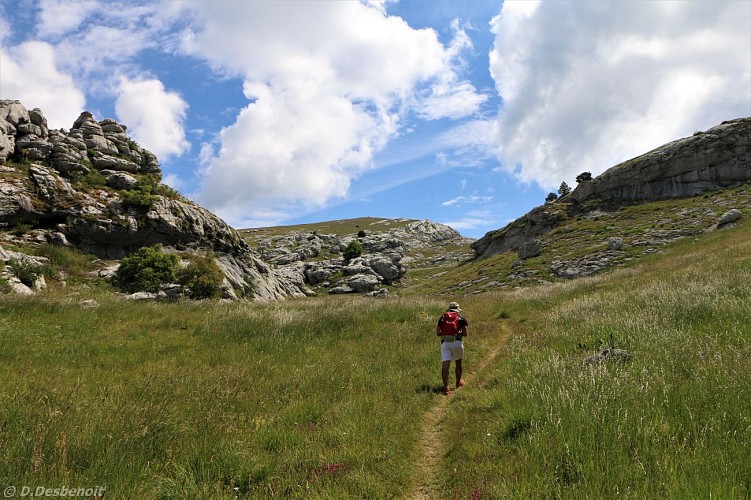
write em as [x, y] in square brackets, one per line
[451, 328]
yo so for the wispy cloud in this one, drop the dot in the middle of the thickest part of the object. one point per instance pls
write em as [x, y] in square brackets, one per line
[467, 200]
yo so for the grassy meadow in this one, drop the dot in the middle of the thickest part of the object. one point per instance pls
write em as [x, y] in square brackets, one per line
[327, 397]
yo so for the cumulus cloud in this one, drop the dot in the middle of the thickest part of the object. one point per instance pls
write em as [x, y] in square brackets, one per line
[58, 17]
[29, 73]
[155, 116]
[586, 85]
[327, 84]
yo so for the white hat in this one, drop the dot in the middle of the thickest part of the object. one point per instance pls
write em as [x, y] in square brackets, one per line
[454, 307]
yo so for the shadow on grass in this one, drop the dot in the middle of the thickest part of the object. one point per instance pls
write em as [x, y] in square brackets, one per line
[435, 389]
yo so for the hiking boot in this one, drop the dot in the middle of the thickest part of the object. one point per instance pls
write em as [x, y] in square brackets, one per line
[460, 383]
[446, 391]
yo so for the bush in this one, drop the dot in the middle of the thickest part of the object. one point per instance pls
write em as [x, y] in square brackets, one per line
[27, 271]
[354, 249]
[361, 233]
[144, 194]
[202, 276]
[146, 270]
[551, 197]
[137, 199]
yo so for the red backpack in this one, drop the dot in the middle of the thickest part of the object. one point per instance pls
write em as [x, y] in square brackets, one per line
[450, 324]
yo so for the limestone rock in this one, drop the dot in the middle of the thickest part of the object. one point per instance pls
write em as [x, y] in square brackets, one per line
[715, 159]
[615, 243]
[729, 217]
[531, 248]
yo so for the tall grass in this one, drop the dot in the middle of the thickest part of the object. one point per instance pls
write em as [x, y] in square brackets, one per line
[675, 421]
[316, 398]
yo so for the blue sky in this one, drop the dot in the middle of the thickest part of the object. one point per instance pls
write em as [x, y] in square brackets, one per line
[463, 112]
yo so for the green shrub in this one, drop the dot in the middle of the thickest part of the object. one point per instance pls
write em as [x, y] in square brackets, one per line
[354, 249]
[145, 270]
[139, 200]
[202, 276]
[27, 271]
[361, 233]
[144, 194]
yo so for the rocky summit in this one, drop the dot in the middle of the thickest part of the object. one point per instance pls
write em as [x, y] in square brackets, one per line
[718, 158]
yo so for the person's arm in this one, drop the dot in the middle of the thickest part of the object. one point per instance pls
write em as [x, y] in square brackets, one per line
[438, 327]
[463, 327]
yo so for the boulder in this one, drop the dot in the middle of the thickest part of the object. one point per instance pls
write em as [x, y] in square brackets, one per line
[729, 217]
[529, 249]
[614, 243]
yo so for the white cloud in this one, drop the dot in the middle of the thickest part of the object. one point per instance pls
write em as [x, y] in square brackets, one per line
[466, 200]
[155, 116]
[472, 220]
[58, 17]
[29, 73]
[328, 83]
[586, 85]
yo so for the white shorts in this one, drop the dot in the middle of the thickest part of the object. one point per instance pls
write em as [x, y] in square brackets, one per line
[452, 351]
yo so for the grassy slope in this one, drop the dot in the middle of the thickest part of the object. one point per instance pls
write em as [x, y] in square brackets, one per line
[641, 226]
[674, 422]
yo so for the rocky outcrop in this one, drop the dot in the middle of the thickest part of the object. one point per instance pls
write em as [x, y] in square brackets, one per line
[46, 189]
[316, 260]
[529, 227]
[88, 145]
[716, 159]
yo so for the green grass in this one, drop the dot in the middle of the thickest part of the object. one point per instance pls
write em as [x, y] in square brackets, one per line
[297, 398]
[673, 422]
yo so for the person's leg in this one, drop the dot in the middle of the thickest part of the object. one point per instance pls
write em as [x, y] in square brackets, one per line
[445, 366]
[458, 373]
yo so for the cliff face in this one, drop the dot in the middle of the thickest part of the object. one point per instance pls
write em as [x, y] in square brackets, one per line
[716, 159]
[719, 158]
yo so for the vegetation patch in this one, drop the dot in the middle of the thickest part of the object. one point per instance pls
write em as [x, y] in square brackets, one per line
[202, 276]
[146, 270]
[27, 272]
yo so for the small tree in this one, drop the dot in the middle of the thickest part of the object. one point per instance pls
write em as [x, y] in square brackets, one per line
[551, 197]
[361, 233]
[584, 176]
[564, 189]
[354, 249]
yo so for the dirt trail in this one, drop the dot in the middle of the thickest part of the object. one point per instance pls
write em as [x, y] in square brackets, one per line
[425, 480]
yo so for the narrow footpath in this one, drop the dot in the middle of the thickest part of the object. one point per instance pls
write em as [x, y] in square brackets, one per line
[425, 484]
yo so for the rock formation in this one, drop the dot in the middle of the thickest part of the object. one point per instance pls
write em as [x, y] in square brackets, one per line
[97, 190]
[316, 261]
[716, 159]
